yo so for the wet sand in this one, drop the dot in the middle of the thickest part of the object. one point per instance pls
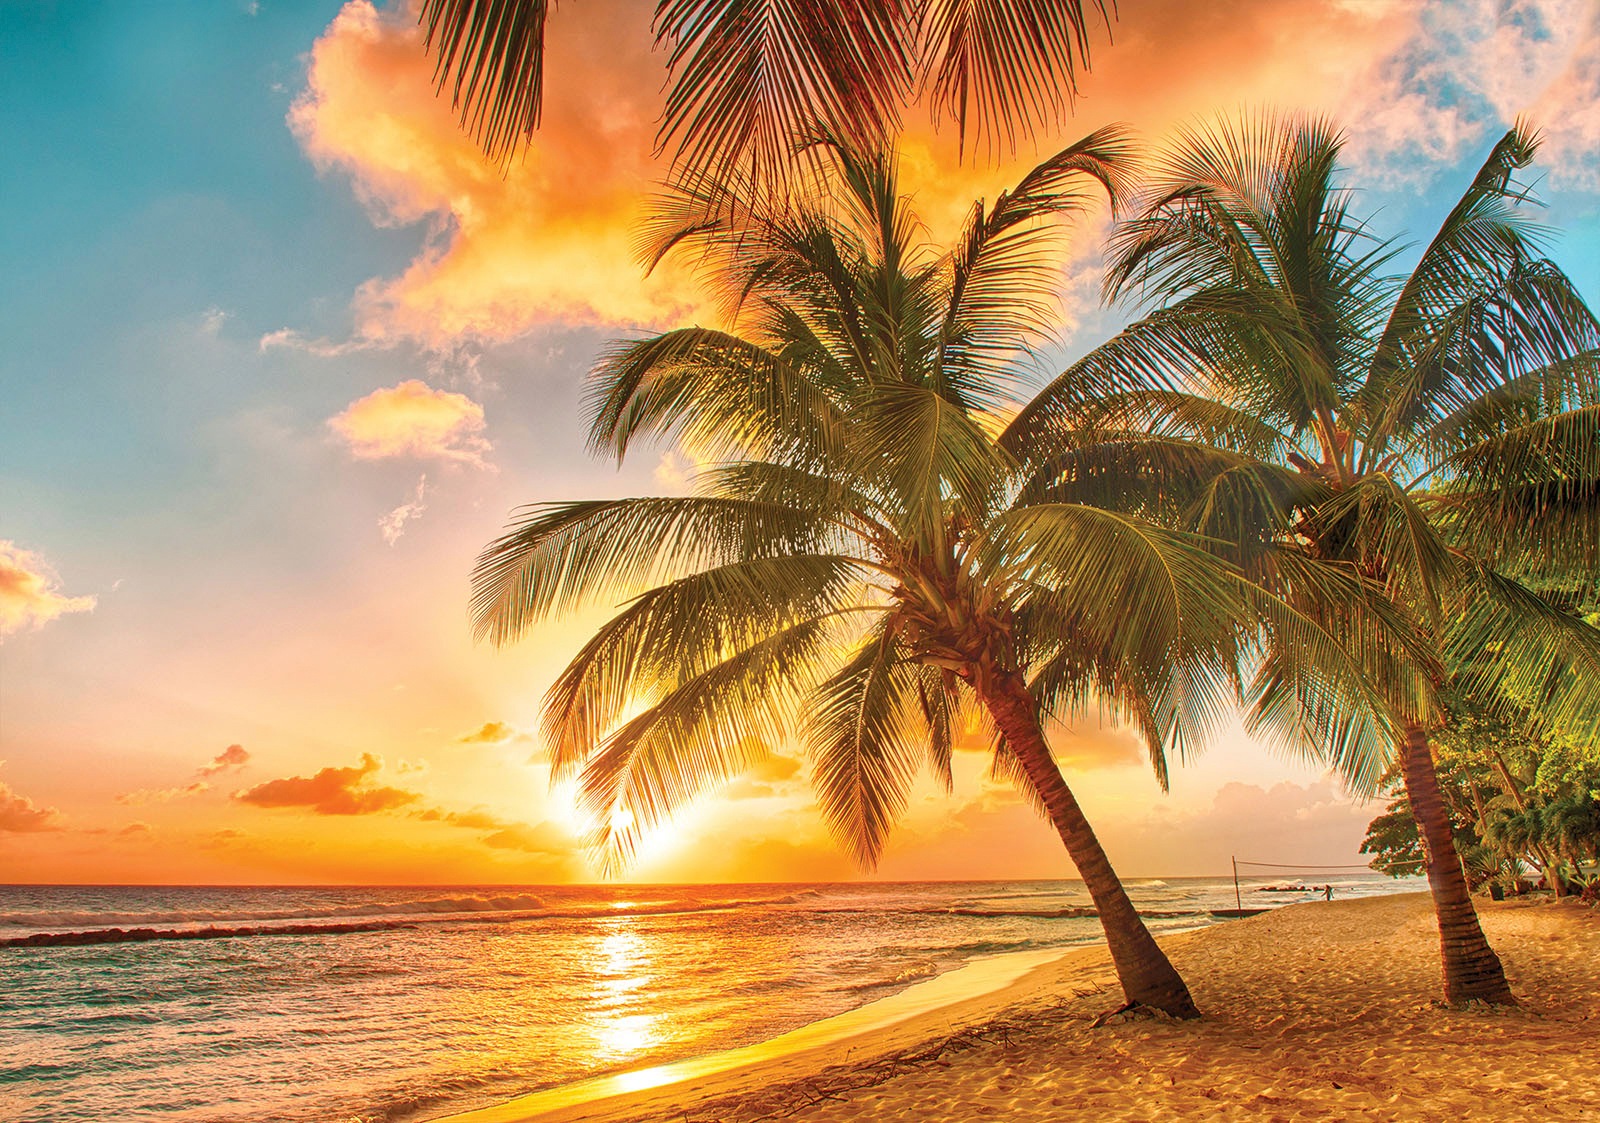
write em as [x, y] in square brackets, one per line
[1315, 1011]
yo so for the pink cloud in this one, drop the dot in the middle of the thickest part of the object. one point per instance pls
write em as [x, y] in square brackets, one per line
[412, 419]
[30, 595]
[232, 757]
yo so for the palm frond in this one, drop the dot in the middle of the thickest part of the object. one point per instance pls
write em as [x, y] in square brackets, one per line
[1336, 661]
[1153, 604]
[1005, 67]
[1511, 646]
[490, 55]
[1386, 531]
[928, 452]
[1529, 497]
[1005, 269]
[682, 629]
[557, 556]
[725, 395]
[750, 78]
[702, 732]
[866, 746]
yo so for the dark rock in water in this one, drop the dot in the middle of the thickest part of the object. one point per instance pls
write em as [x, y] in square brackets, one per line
[140, 935]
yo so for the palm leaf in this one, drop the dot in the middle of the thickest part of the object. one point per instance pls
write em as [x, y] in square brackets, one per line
[865, 746]
[702, 732]
[749, 78]
[556, 556]
[1513, 647]
[682, 629]
[490, 55]
[1005, 66]
[723, 394]
[1528, 497]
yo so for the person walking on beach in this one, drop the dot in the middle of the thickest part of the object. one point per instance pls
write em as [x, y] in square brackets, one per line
[1327, 892]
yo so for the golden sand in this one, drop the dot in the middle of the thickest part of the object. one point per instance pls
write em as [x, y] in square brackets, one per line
[1316, 1011]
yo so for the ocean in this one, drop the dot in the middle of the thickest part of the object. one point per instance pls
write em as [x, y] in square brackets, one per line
[395, 1005]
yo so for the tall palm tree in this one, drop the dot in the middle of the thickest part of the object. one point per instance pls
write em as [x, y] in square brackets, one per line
[858, 571]
[1436, 432]
[749, 78]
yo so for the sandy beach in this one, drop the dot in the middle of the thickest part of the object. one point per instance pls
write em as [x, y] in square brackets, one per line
[1315, 1011]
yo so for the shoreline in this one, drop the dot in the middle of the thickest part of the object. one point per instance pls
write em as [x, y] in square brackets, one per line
[953, 999]
[1314, 1010]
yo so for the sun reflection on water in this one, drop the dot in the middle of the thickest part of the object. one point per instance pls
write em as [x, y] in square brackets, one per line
[622, 963]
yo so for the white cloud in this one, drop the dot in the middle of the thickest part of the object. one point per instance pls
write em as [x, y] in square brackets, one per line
[393, 525]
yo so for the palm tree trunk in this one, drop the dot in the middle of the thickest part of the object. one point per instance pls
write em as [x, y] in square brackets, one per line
[1147, 976]
[1471, 968]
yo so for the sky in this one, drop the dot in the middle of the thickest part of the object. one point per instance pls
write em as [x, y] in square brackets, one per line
[282, 351]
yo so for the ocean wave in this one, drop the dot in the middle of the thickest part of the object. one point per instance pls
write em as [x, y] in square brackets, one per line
[83, 928]
[428, 906]
[904, 977]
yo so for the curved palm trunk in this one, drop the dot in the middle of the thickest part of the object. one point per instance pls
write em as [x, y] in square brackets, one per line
[1147, 977]
[1471, 968]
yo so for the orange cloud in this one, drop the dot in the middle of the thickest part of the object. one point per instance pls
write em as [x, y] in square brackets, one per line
[532, 840]
[161, 795]
[232, 758]
[29, 591]
[332, 791]
[547, 240]
[20, 815]
[492, 733]
[412, 419]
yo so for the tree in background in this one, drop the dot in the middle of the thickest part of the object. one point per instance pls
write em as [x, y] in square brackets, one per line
[1517, 799]
[750, 80]
[1436, 433]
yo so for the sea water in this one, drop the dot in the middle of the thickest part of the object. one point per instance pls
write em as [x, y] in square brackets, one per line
[391, 1005]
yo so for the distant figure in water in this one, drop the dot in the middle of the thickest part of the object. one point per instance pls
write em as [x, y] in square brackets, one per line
[1327, 892]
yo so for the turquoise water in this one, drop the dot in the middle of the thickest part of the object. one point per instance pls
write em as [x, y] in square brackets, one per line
[441, 1000]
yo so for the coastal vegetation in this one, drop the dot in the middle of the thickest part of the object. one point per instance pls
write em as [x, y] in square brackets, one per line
[1433, 432]
[1524, 806]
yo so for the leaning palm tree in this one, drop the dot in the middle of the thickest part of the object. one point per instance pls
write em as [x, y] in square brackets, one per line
[1437, 432]
[858, 571]
[749, 79]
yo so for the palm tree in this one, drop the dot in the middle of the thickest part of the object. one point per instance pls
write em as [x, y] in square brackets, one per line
[858, 571]
[1437, 432]
[750, 79]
